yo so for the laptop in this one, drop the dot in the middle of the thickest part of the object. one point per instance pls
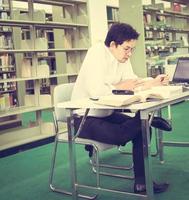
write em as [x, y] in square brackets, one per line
[181, 74]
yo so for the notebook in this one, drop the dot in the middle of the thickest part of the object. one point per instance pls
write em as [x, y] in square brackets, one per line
[181, 74]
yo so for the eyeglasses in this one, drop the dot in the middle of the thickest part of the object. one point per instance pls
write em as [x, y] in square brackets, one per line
[128, 49]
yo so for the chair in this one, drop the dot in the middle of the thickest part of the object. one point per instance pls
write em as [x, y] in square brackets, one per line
[62, 93]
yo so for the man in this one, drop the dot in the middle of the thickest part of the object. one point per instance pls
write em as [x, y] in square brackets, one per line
[106, 67]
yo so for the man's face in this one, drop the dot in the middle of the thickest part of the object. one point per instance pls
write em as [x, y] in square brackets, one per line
[122, 52]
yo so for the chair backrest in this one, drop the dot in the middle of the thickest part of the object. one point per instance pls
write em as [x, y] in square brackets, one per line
[62, 93]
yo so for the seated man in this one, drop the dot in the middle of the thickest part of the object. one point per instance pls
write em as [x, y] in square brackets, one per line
[106, 67]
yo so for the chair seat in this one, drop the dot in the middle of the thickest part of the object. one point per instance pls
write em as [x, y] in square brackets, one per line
[101, 146]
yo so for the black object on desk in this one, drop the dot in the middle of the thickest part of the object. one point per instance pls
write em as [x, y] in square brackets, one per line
[123, 92]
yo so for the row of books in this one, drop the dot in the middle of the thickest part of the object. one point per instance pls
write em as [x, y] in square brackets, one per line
[28, 70]
[112, 13]
[46, 86]
[177, 7]
[164, 23]
[5, 41]
[7, 101]
[4, 15]
[6, 61]
[7, 87]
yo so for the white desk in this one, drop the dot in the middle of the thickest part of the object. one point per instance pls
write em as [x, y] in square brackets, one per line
[144, 109]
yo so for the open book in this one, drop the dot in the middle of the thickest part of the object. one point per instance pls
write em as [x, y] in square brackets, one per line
[155, 93]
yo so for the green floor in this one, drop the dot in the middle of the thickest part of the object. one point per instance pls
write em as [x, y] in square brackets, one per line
[24, 176]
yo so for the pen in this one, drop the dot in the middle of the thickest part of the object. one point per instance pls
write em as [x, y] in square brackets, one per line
[94, 99]
[163, 78]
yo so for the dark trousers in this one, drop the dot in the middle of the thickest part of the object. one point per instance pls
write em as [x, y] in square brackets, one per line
[117, 129]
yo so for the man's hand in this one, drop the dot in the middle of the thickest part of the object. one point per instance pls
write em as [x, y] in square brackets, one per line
[162, 79]
[142, 84]
[129, 84]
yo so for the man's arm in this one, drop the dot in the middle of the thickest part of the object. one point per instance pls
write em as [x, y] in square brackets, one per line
[160, 80]
[129, 84]
[142, 84]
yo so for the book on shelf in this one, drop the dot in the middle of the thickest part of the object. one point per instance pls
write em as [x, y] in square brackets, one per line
[4, 102]
[39, 43]
[27, 70]
[155, 93]
[43, 70]
[41, 100]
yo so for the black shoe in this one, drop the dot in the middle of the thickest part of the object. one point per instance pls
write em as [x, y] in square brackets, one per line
[161, 124]
[89, 148]
[158, 188]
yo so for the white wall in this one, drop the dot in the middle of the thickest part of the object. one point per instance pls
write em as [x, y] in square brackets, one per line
[97, 20]
[98, 25]
[114, 3]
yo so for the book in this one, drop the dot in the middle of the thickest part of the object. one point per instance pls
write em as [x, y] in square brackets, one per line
[155, 93]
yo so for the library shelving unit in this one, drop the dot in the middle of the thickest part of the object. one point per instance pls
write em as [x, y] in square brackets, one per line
[8, 95]
[166, 32]
[48, 49]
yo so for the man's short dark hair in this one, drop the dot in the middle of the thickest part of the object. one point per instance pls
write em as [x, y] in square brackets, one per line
[119, 33]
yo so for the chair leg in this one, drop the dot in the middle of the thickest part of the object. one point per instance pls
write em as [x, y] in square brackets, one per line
[156, 144]
[96, 167]
[53, 164]
[123, 151]
[60, 190]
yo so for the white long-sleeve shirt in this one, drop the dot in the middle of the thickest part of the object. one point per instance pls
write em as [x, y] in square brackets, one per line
[99, 72]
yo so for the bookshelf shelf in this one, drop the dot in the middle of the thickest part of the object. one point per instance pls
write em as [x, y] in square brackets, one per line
[25, 135]
[30, 138]
[38, 78]
[39, 24]
[166, 13]
[185, 2]
[164, 29]
[23, 109]
[57, 2]
[41, 50]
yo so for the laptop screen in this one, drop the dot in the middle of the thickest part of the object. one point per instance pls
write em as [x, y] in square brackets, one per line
[181, 74]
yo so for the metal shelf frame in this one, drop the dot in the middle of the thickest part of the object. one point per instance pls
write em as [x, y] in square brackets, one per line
[37, 78]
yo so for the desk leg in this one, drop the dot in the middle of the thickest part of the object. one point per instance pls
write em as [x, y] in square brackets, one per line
[161, 157]
[73, 174]
[160, 138]
[147, 158]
